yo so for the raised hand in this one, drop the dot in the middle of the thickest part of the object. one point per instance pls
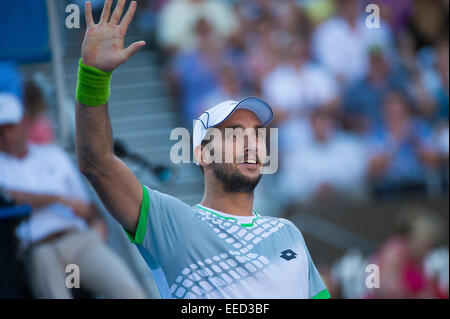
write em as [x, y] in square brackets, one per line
[103, 42]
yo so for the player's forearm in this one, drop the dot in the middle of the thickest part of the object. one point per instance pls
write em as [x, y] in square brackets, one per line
[114, 183]
[94, 142]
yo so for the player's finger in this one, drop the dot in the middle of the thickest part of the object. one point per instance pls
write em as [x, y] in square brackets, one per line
[117, 12]
[133, 48]
[88, 14]
[106, 11]
[128, 16]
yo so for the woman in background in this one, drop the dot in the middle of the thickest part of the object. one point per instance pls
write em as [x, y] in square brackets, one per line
[401, 258]
[39, 127]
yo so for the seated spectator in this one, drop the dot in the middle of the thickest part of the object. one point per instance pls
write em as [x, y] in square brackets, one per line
[341, 43]
[229, 88]
[330, 165]
[40, 129]
[428, 20]
[194, 73]
[296, 87]
[147, 14]
[259, 47]
[178, 18]
[292, 18]
[362, 100]
[441, 138]
[396, 13]
[402, 148]
[401, 258]
[318, 10]
[437, 270]
[435, 78]
[65, 227]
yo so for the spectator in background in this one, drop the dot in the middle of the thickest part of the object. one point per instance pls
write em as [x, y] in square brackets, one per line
[402, 148]
[65, 227]
[330, 165]
[396, 13]
[341, 43]
[318, 10]
[437, 270]
[401, 258]
[435, 78]
[363, 99]
[229, 87]
[259, 41]
[295, 87]
[40, 129]
[179, 19]
[262, 25]
[258, 49]
[406, 58]
[194, 73]
[429, 20]
[292, 19]
[147, 14]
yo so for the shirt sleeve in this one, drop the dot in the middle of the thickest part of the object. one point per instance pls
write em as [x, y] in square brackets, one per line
[164, 222]
[317, 288]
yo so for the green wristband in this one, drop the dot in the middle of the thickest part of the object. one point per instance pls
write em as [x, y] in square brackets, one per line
[92, 86]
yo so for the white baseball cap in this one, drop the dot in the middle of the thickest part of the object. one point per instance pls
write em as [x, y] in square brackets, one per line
[11, 110]
[219, 113]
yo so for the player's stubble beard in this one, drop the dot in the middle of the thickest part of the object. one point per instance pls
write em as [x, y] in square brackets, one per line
[232, 180]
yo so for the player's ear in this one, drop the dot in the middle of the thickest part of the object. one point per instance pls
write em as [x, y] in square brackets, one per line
[202, 156]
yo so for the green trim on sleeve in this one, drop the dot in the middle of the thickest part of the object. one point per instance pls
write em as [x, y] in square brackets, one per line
[324, 294]
[138, 238]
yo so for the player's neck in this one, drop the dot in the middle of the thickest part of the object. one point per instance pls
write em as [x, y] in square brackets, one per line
[231, 203]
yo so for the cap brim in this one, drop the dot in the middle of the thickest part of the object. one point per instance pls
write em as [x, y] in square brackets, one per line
[254, 104]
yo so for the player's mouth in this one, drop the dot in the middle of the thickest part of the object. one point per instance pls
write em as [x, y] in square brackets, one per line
[251, 164]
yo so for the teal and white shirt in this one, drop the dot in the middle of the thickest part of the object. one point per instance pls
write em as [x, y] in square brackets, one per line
[198, 252]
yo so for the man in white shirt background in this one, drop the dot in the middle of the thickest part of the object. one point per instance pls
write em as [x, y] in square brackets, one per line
[341, 44]
[65, 227]
[331, 164]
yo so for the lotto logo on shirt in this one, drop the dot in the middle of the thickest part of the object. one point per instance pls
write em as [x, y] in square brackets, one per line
[288, 254]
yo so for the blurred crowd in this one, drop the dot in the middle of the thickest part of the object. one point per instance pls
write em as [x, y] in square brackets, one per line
[59, 224]
[408, 264]
[48, 218]
[360, 110]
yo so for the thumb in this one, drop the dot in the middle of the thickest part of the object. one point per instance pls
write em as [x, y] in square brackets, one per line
[133, 48]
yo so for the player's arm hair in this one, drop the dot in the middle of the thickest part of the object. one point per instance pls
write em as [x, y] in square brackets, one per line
[115, 184]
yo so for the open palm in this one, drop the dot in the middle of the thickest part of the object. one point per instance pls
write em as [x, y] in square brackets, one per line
[103, 42]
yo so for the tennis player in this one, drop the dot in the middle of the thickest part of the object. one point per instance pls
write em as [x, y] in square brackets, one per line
[219, 248]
